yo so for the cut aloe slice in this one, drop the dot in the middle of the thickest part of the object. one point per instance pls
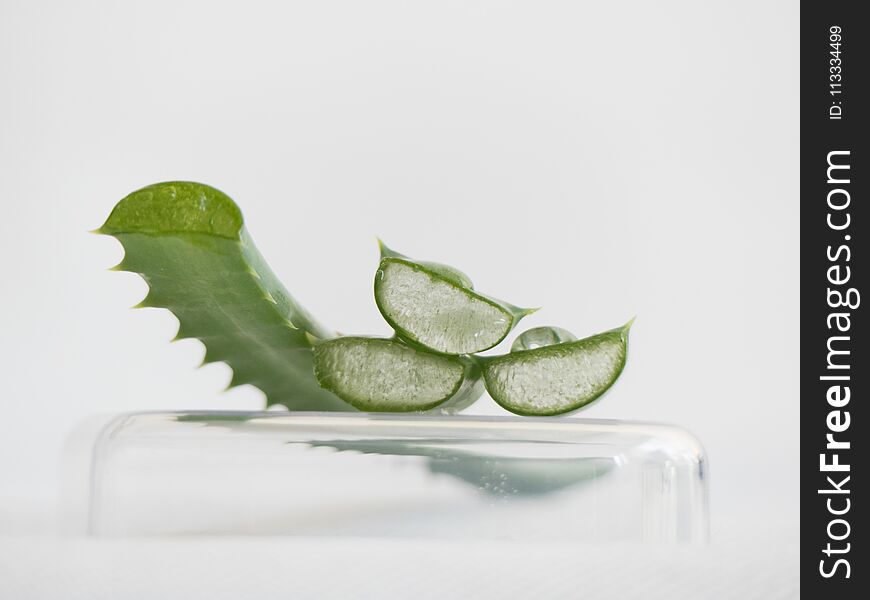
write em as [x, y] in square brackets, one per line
[436, 307]
[189, 243]
[557, 378]
[375, 374]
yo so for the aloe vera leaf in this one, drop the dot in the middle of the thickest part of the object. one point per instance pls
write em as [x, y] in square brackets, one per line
[559, 378]
[436, 307]
[377, 374]
[189, 243]
[491, 475]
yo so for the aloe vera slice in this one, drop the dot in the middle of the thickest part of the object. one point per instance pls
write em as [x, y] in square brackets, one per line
[375, 374]
[188, 242]
[556, 378]
[436, 306]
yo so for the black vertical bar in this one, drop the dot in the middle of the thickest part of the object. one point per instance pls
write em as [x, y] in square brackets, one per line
[835, 223]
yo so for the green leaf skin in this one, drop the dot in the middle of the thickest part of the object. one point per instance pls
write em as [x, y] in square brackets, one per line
[558, 378]
[387, 375]
[189, 243]
[421, 331]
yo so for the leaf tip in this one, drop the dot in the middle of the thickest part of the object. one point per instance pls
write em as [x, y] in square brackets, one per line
[520, 313]
[181, 334]
[236, 380]
[149, 301]
[386, 251]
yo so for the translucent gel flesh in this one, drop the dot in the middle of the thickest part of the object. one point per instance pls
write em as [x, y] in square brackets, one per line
[385, 374]
[438, 314]
[556, 378]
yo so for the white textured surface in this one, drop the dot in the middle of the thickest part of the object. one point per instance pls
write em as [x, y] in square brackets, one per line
[266, 568]
[752, 556]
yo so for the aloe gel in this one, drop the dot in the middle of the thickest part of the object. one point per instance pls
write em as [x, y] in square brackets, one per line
[556, 378]
[435, 306]
[376, 374]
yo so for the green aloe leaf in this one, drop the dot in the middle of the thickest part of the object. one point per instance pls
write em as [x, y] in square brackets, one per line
[556, 378]
[436, 307]
[189, 243]
[376, 374]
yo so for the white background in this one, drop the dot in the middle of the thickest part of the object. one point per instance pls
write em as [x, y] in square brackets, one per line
[602, 160]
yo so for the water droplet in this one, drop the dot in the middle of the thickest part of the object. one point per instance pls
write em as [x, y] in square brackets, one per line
[539, 337]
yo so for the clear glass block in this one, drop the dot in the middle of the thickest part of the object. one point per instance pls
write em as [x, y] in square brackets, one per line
[337, 474]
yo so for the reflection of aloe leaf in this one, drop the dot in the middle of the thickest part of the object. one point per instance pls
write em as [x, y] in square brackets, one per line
[522, 476]
[216, 418]
[494, 475]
